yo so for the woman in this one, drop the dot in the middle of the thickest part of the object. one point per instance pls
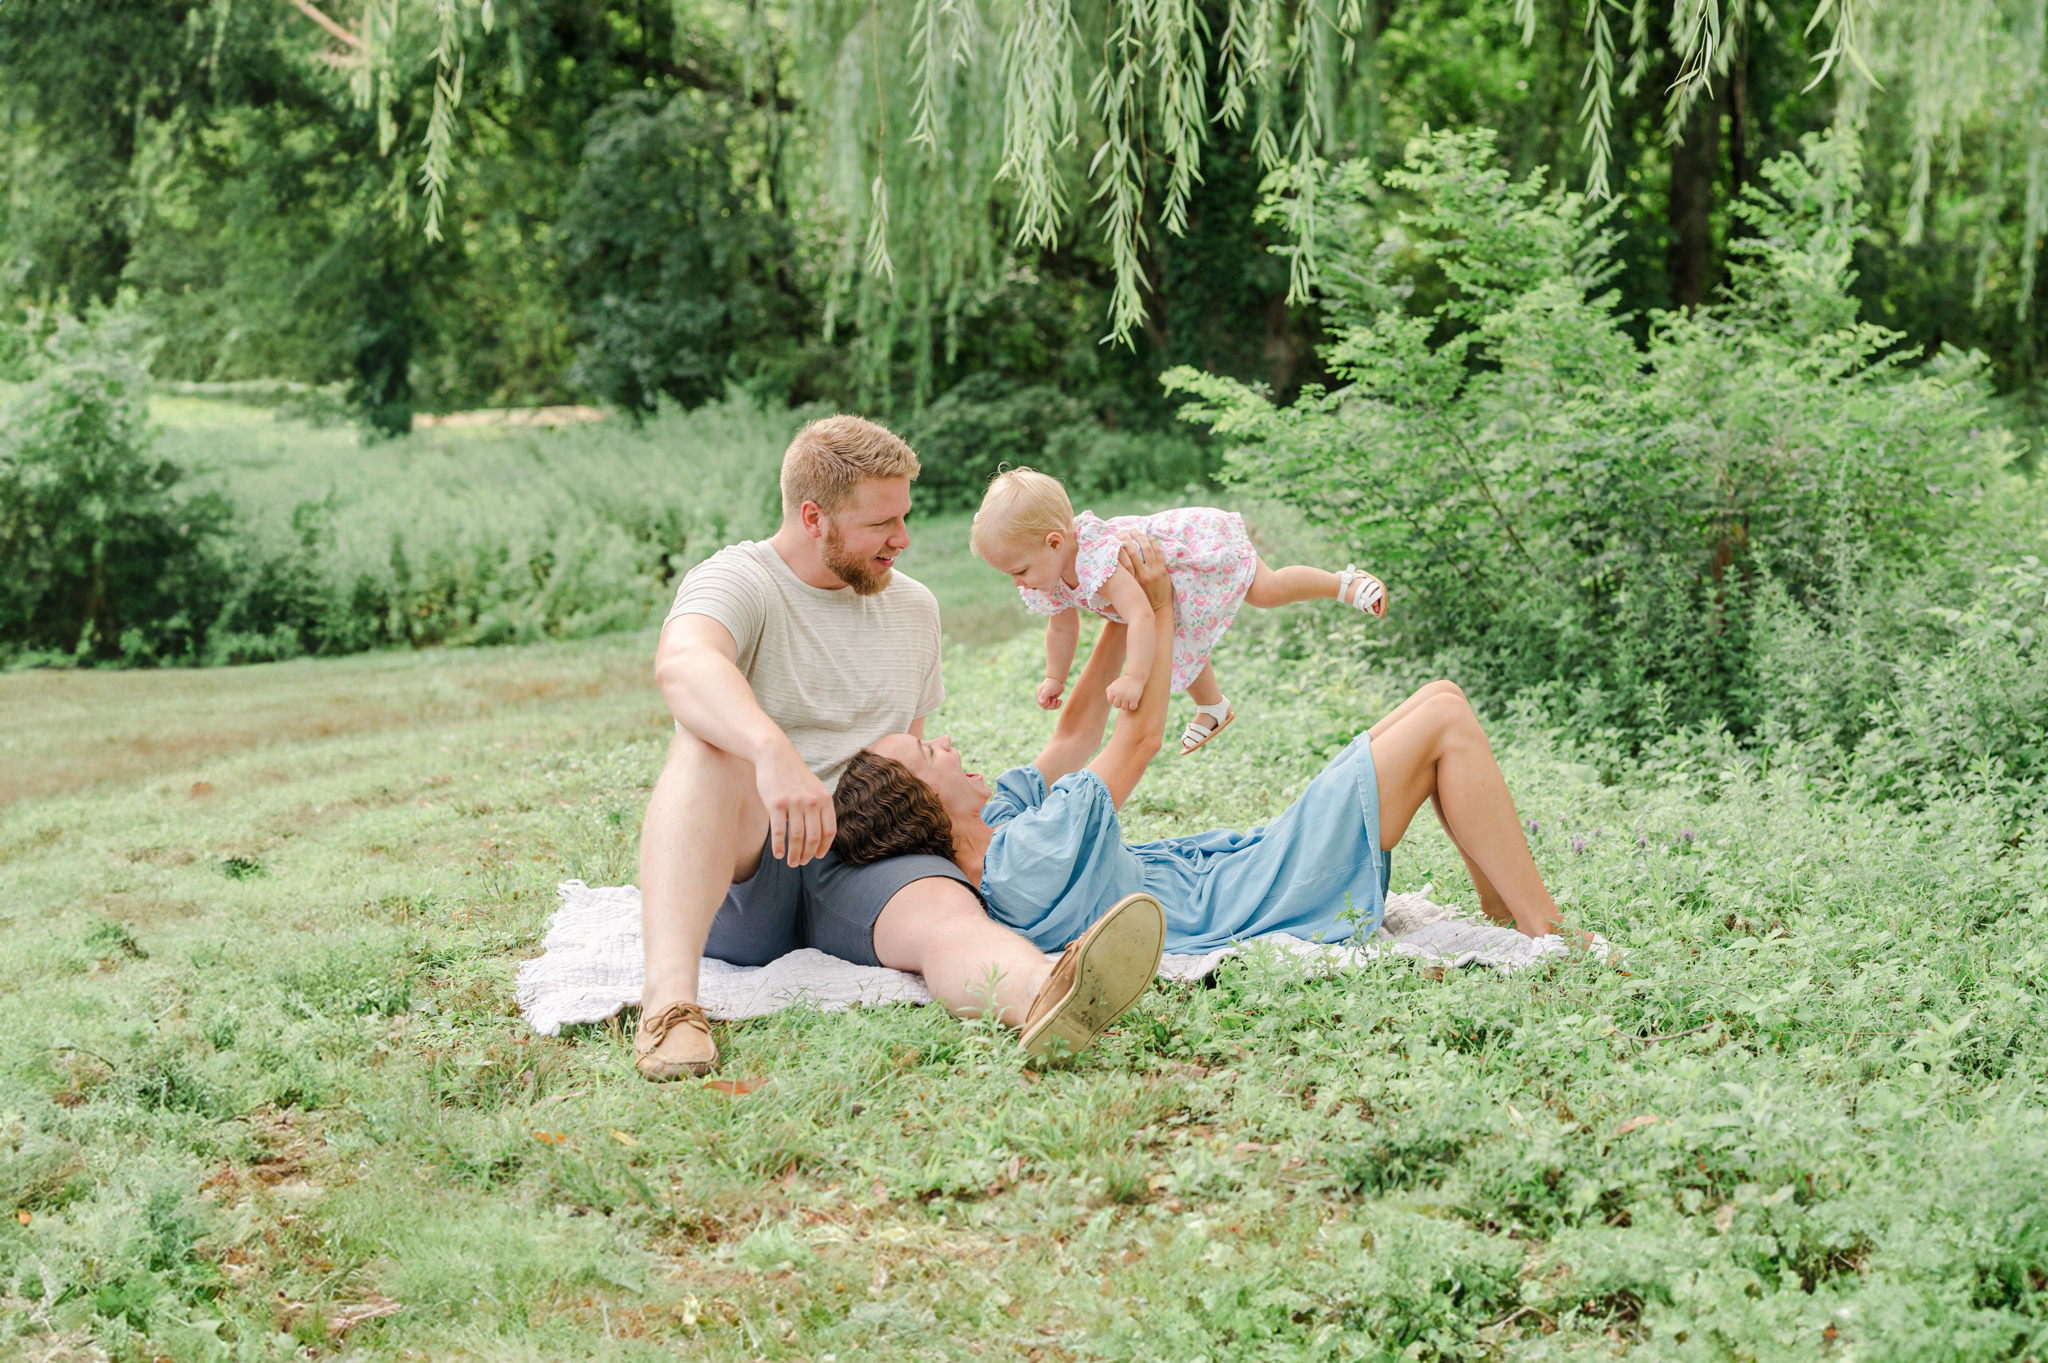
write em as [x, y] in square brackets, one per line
[1046, 849]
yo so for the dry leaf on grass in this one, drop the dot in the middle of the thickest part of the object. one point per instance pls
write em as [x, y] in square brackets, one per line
[734, 1088]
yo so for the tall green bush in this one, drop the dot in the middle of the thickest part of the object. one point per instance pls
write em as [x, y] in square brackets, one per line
[1925, 681]
[103, 557]
[1554, 506]
[679, 281]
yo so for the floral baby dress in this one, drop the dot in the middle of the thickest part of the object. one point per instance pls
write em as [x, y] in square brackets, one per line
[1208, 556]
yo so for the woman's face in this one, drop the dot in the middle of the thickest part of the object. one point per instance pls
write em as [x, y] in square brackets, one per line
[935, 762]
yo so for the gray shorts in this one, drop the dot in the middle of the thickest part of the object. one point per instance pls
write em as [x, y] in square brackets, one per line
[826, 904]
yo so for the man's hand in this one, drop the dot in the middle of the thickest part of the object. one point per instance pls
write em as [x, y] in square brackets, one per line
[1143, 559]
[1049, 693]
[801, 825]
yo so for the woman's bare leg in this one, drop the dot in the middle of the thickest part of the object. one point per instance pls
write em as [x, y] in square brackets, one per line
[1490, 902]
[1432, 749]
[1283, 586]
[1407, 707]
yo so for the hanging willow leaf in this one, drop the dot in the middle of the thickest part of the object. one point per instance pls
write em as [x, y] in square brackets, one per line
[1116, 96]
[1038, 115]
[1597, 113]
[1178, 36]
[940, 130]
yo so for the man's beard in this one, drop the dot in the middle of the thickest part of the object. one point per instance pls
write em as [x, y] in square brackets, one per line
[857, 573]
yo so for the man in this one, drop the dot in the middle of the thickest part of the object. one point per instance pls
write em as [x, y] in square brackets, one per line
[780, 660]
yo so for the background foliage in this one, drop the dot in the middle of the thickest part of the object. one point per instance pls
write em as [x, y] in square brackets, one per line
[1684, 533]
[264, 183]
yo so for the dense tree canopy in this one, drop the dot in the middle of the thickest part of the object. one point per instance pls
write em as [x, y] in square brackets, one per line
[451, 202]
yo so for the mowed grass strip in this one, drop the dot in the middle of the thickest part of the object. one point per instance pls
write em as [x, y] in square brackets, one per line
[68, 730]
[265, 1093]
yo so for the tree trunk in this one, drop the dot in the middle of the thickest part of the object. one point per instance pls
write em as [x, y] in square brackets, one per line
[1739, 135]
[1695, 164]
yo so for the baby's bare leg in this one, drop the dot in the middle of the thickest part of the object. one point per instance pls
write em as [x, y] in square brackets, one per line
[1204, 689]
[1283, 586]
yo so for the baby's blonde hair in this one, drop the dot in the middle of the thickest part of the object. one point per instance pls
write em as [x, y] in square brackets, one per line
[1022, 506]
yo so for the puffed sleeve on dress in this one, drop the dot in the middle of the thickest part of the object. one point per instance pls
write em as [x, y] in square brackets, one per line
[1018, 789]
[1059, 862]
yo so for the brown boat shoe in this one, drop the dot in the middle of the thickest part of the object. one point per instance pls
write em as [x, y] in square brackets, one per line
[675, 1042]
[1104, 971]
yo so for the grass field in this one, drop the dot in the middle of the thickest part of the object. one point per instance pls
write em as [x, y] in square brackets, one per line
[264, 1093]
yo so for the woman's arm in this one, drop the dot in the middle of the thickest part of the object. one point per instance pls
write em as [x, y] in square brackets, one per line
[1062, 634]
[1130, 598]
[1078, 733]
[1136, 740]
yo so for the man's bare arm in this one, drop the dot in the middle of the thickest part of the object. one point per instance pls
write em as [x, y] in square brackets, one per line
[697, 668]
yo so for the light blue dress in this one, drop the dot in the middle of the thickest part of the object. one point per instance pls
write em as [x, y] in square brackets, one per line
[1058, 862]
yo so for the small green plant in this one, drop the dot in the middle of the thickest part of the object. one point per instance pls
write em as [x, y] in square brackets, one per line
[116, 939]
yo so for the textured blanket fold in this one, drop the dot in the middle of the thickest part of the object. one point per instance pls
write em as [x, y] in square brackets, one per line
[591, 967]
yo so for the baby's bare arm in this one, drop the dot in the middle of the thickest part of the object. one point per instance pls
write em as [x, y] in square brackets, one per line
[1062, 636]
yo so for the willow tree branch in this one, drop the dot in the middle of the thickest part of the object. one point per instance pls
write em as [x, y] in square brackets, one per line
[307, 8]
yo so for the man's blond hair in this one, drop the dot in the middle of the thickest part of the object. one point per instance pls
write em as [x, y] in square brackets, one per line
[1021, 507]
[834, 455]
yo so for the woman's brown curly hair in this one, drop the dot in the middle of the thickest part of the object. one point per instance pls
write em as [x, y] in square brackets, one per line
[884, 810]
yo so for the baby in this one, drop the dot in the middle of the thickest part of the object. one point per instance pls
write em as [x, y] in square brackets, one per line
[1062, 562]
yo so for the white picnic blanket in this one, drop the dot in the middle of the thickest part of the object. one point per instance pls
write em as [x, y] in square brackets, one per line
[591, 964]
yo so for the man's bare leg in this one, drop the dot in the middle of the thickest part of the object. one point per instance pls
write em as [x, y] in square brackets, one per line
[938, 928]
[703, 832]
[1432, 748]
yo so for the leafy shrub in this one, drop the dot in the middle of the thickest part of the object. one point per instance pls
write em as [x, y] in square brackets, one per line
[474, 539]
[987, 422]
[1924, 681]
[1557, 508]
[102, 558]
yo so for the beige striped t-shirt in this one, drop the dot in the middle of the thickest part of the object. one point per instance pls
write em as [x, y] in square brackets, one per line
[833, 669]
